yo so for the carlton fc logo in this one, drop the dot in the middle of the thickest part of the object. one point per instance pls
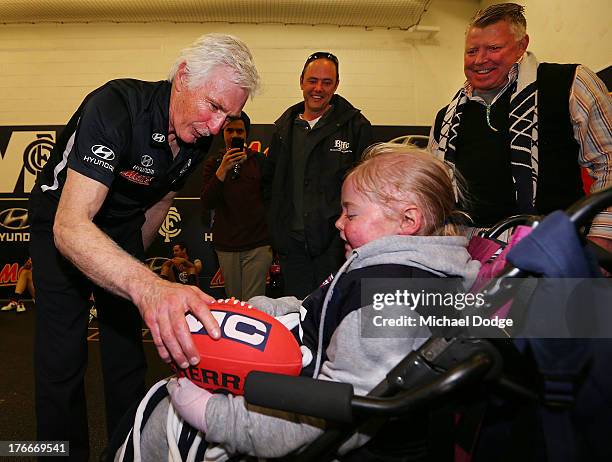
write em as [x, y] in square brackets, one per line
[169, 228]
[103, 152]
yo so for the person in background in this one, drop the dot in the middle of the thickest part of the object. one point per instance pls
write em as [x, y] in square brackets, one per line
[24, 282]
[519, 130]
[232, 188]
[180, 268]
[315, 143]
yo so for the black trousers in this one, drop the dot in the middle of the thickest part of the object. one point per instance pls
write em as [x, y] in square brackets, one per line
[303, 273]
[60, 348]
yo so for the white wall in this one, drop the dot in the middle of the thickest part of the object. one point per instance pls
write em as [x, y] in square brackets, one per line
[46, 69]
[565, 31]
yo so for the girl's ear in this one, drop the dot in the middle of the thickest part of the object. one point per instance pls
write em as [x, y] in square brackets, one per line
[412, 221]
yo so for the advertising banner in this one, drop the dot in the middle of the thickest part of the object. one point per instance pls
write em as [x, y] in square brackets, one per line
[24, 150]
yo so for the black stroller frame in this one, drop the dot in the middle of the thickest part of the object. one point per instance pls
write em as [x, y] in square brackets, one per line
[442, 367]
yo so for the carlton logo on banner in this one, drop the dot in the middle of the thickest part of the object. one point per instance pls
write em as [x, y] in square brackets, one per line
[169, 228]
[23, 154]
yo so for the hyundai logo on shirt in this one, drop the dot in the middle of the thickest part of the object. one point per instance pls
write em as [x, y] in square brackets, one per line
[103, 152]
[146, 160]
[158, 137]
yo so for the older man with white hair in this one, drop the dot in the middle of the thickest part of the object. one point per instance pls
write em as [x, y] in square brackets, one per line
[95, 208]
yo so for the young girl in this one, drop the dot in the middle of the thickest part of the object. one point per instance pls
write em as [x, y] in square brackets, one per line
[396, 206]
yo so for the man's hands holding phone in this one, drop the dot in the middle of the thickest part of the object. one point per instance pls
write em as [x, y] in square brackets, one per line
[233, 157]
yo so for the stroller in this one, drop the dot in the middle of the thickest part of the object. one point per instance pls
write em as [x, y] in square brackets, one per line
[522, 397]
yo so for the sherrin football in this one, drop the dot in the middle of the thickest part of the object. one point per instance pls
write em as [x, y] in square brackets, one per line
[251, 340]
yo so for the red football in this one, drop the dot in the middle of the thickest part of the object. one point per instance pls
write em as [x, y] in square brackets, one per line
[251, 340]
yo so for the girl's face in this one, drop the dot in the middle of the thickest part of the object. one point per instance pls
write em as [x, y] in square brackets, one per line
[362, 220]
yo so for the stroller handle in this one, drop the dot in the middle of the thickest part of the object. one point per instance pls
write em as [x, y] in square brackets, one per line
[302, 395]
[580, 214]
[583, 211]
[336, 401]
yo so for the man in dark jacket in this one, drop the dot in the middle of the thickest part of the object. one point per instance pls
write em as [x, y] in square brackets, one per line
[315, 143]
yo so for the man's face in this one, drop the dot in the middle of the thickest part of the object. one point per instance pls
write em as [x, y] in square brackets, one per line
[490, 53]
[202, 110]
[177, 251]
[318, 85]
[233, 129]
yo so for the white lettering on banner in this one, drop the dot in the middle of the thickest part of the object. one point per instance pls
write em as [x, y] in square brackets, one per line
[26, 151]
[208, 237]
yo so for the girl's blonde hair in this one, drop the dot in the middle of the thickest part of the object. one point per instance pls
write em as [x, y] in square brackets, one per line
[394, 175]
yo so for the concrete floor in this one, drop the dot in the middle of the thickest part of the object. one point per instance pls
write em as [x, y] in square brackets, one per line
[17, 417]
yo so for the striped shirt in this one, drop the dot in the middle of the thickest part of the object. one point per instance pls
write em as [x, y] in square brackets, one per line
[590, 107]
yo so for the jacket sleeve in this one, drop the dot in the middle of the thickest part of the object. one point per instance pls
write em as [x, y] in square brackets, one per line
[276, 306]
[212, 189]
[245, 429]
[364, 362]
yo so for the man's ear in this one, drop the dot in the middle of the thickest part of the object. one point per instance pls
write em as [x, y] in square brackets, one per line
[523, 44]
[181, 77]
[412, 221]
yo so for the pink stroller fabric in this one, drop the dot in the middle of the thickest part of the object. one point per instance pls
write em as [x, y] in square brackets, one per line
[492, 255]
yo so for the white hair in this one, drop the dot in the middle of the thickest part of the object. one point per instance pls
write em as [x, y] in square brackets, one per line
[213, 50]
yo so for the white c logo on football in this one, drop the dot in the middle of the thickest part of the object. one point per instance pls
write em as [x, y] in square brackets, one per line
[231, 329]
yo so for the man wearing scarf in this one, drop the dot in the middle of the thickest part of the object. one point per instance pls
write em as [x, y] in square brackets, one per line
[519, 131]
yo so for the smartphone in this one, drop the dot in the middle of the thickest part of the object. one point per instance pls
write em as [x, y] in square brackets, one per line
[237, 142]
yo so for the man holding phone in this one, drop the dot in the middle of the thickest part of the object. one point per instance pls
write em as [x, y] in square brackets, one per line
[232, 187]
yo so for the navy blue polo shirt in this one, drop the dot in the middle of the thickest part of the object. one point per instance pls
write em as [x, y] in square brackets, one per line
[119, 137]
